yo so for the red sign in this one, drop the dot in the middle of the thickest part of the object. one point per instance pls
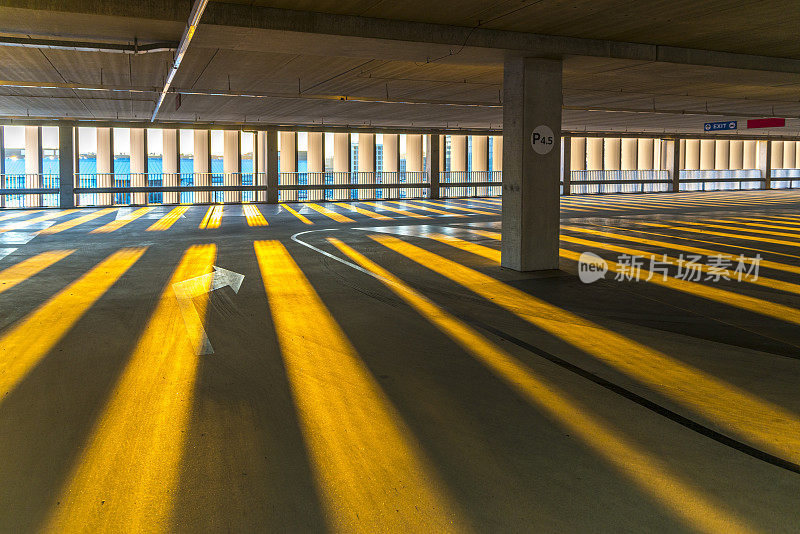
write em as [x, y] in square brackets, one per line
[766, 123]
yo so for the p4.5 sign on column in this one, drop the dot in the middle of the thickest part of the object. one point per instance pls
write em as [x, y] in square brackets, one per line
[542, 139]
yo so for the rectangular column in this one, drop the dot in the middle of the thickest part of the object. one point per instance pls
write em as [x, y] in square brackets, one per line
[66, 167]
[750, 156]
[232, 164]
[341, 164]
[612, 154]
[707, 154]
[722, 154]
[288, 164]
[736, 155]
[170, 164]
[692, 154]
[271, 170]
[566, 162]
[366, 164]
[434, 164]
[33, 164]
[531, 163]
[789, 154]
[202, 164]
[105, 164]
[594, 153]
[672, 162]
[414, 162]
[645, 157]
[316, 163]
[777, 155]
[497, 161]
[391, 163]
[630, 153]
[458, 164]
[764, 154]
[480, 162]
[138, 164]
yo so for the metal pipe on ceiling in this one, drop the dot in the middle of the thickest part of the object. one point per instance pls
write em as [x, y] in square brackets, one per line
[88, 46]
[194, 19]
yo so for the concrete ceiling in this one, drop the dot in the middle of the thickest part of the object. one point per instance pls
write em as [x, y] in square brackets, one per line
[254, 63]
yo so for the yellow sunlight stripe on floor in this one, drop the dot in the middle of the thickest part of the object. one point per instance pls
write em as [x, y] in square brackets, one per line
[212, 218]
[646, 471]
[122, 221]
[771, 426]
[28, 341]
[371, 472]
[296, 214]
[756, 305]
[166, 222]
[459, 208]
[254, 216]
[693, 250]
[45, 217]
[338, 217]
[29, 267]
[72, 223]
[738, 228]
[720, 234]
[424, 208]
[14, 215]
[126, 478]
[362, 211]
[397, 210]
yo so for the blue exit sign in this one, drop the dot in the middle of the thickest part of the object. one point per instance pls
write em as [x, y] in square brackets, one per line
[716, 126]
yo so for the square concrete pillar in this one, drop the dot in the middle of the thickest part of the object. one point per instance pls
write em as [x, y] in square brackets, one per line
[202, 164]
[480, 162]
[316, 164]
[630, 153]
[531, 163]
[736, 155]
[391, 163]
[232, 164]
[288, 164]
[138, 138]
[33, 164]
[170, 164]
[105, 164]
[366, 164]
[764, 162]
[272, 173]
[341, 164]
[66, 167]
[672, 162]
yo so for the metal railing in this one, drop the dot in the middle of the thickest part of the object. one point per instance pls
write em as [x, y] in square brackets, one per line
[109, 189]
[608, 181]
[720, 180]
[36, 190]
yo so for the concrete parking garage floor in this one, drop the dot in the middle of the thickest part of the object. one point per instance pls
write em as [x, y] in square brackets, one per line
[376, 370]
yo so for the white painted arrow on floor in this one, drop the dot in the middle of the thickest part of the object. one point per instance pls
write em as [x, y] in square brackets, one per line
[194, 287]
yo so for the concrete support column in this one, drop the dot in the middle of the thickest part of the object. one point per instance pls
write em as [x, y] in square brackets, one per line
[458, 154]
[270, 174]
[577, 160]
[105, 164]
[612, 154]
[750, 156]
[366, 164]
[797, 156]
[646, 155]
[692, 156]
[231, 164]
[776, 161]
[202, 164]
[260, 164]
[722, 154]
[414, 161]
[138, 164]
[630, 153]
[391, 162]
[434, 163]
[288, 164]
[341, 164]
[316, 164]
[764, 162]
[66, 166]
[566, 165]
[531, 104]
[789, 154]
[497, 154]
[672, 162]
[736, 155]
[170, 164]
[707, 153]
[33, 164]
[594, 153]
[480, 162]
